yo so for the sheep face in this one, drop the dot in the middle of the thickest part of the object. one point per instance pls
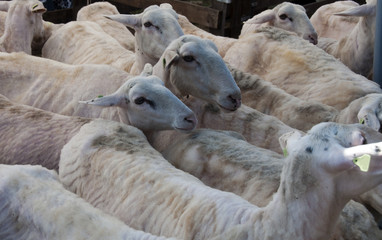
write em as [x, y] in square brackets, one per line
[326, 156]
[147, 104]
[195, 68]
[287, 16]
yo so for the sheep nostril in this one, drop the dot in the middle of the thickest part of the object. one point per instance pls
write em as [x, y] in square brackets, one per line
[236, 101]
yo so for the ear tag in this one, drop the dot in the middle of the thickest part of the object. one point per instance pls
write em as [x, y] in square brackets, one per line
[363, 162]
[285, 151]
[99, 96]
[362, 121]
[34, 6]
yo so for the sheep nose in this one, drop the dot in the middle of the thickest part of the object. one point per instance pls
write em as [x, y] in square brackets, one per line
[313, 38]
[191, 121]
[236, 101]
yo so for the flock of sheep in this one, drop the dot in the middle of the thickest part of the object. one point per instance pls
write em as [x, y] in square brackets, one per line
[274, 135]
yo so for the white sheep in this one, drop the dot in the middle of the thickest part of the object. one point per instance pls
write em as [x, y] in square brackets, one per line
[227, 162]
[95, 12]
[355, 49]
[81, 42]
[304, 114]
[23, 22]
[134, 183]
[143, 102]
[287, 16]
[35, 205]
[299, 68]
[303, 29]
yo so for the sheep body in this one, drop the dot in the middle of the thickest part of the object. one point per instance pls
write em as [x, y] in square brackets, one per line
[303, 114]
[95, 12]
[298, 68]
[35, 205]
[227, 162]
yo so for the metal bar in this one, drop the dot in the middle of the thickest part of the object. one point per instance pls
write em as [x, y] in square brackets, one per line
[377, 70]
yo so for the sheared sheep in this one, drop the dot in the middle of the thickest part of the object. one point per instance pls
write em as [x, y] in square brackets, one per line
[299, 68]
[35, 205]
[227, 162]
[355, 49]
[134, 183]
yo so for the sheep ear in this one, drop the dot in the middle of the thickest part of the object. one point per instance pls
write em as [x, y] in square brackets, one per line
[38, 8]
[169, 57]
[111, 100]
[360, 11]
[4, 6]
[263, 17]
[130, 20]
[212, 44]
[369, 118]
[166, 6]
[287, 141]
[147, 70]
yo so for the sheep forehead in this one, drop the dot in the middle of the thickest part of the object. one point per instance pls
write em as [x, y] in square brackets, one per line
[290, 8]
[196, 47]
[159, 16]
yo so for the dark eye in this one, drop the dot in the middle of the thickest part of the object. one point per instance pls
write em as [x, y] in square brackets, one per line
[188, 58]
[147, 24]
[139, 100]
[283, 16]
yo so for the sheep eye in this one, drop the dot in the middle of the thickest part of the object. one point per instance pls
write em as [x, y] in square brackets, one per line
[139, 100]
[147, 24]
[283, 16]
[188, 58]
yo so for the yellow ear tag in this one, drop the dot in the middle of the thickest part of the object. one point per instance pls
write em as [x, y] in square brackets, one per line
[363, 162]
[285, 151]
[34, 6]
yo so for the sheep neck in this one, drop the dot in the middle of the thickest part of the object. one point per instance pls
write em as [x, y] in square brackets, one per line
[357, 46]
[303, 207]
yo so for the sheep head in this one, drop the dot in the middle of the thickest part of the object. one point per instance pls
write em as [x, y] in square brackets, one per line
[155, 28]
[148, 105]
[287, 16]
[192, 66]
